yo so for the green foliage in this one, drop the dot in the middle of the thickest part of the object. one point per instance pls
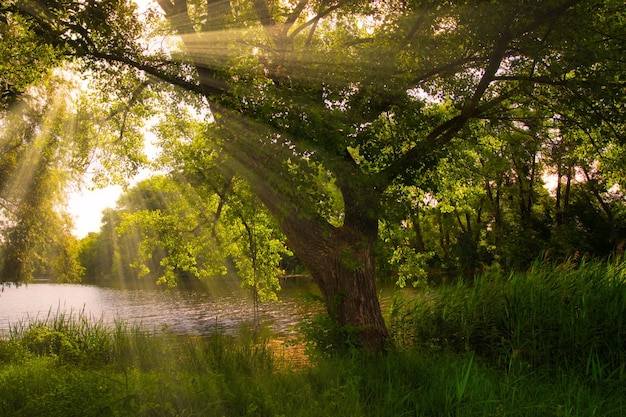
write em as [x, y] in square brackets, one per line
[411, 265]
[170, 235]
[47, 143]
[324, 338]
[507, 197]
[67, 337]
[25, 57]
[67, 266]
[256, 245]
[151, 374]
[172, 231]
[568, 316]
[32, 188]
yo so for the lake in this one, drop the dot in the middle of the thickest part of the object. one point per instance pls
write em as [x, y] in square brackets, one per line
[222, 305]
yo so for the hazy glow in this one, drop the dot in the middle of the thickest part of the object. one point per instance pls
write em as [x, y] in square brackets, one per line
[86, 205]
[86, 208]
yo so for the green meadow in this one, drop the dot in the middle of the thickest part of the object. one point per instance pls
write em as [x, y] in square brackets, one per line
[548, 342]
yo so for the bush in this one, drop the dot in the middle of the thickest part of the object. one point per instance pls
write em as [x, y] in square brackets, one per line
[324, 338]
[69, 338]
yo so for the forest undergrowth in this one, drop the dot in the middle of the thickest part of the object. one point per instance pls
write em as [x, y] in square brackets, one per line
[548, 342]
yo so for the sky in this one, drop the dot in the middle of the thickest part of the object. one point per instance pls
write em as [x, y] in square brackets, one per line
[86, 208]
[86, 205]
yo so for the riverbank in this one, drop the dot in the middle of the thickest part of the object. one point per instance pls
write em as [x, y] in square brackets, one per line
[549, 342]
[137, 374]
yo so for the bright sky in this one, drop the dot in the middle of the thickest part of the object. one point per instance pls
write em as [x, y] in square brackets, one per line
[87, 206]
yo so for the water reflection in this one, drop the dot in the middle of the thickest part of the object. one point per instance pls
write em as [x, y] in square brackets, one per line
[223, 306]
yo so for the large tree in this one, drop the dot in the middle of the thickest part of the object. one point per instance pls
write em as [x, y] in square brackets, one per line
[368, 92]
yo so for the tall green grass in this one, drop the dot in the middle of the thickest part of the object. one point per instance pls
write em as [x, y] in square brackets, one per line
[73, 365]
[225, 376]
[569, 317]
[69, 337]
[481, 359]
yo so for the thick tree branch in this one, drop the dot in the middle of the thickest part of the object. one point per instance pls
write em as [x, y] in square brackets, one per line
[178, 15]
[545, 80]
[443, 69]
[276, 191]
[218, 13]
[424, 154]
[495, 60]
[260, 160]
[425, 150]
[127, 108]
[149, 69]
[291, 20]
[418, 24]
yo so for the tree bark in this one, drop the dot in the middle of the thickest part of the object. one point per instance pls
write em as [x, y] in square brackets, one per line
[557, 205]
[566, 198]
[420, 246]
[342, 263]
[346, 278]
[344, 269]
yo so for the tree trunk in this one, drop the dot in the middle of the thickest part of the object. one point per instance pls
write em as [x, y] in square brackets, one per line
[341, 261]
[496, 213]
[420, 246]
[566, 198]
[345, 274]
[557, 205]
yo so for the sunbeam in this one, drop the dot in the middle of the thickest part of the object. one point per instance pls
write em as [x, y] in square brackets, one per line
[318, 123]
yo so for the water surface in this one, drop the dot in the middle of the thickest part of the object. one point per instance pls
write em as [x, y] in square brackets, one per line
[224, 305]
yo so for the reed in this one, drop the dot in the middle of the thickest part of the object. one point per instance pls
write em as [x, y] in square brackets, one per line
[568, 316]
[69, 337]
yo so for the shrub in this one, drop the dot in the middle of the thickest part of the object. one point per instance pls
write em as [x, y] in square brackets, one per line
[68, 337]
[323, 337]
